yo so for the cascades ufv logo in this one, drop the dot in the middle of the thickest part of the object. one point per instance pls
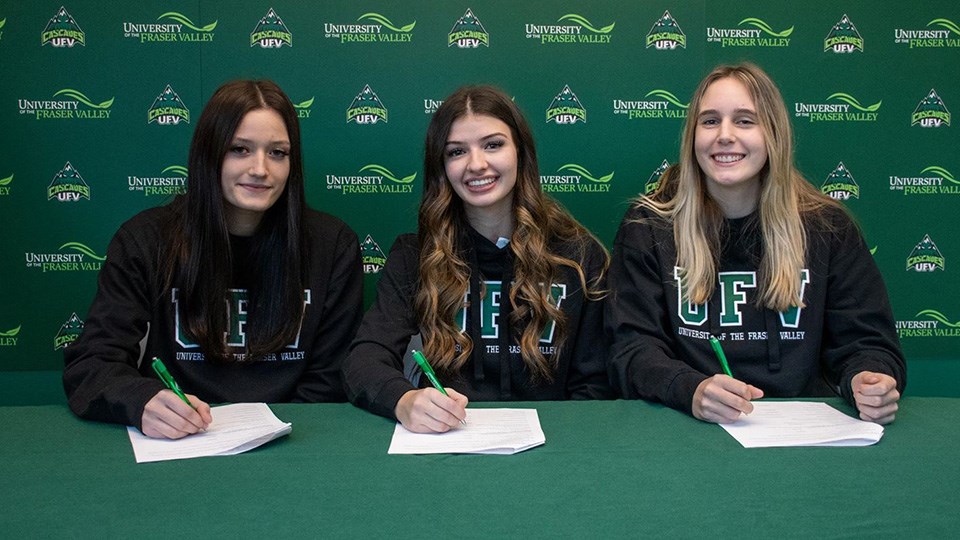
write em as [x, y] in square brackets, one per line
[371, 256]
[68, 185]
[666, 35]
[566, 108]
[930, 112]
[168, 109]
[468, 32]
[366, 108]
[61, 31]
[843, 37]
[840, 184]
[653, 182]
[925, 257]
[270, 32]
[69, 332]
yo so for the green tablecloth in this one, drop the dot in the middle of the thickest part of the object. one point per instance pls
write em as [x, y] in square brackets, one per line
[617, 468]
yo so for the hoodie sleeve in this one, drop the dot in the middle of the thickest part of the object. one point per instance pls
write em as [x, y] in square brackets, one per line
[643, 361]
[100, 373]
[373, 371]
[587, 377]
[859, 329]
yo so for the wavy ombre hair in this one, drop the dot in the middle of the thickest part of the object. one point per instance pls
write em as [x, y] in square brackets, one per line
[787, 200]
[541, 225]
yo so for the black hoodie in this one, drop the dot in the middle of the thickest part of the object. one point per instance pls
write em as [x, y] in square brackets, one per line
[373, 371]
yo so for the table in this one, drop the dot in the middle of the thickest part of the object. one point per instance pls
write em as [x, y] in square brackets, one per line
[608, 469]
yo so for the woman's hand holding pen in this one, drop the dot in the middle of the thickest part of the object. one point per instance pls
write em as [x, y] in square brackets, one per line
[166, 416]
[427, 410]
[722, 399]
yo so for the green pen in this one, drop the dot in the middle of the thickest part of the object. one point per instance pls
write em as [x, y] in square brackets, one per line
[428, 371]
[161, 371]
[715, 343]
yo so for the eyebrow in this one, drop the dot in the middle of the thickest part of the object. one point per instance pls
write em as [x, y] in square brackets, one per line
[485, 137]
[250, 141]
[736, 111]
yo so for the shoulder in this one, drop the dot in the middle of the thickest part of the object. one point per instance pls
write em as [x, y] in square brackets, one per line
[328, 231]
[641, 225]
[148, 226]
[407, 245]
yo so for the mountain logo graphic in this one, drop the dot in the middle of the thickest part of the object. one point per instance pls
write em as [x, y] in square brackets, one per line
[566, 108]
[930, 112]
[168, 109]
[68, 333]
[366, 108]
[62, 31]
[271, 33]
[843, 37]
[925, 257]
[840, 184]
[68, 186]
[468, 32]
[653, 183]
[666, 34]
[371, 256]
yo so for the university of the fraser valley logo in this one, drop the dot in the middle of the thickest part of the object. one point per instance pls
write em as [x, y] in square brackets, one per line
[574, 178]
[71, 105]
[570, 28]
[236, 334]
[566, 108]
[6, 185]
[939, 33]
[928, 323]
[371, 256]
[657, 103]
[933, 180]
[653, 182]
[8, 338]
[840, 184]
[270, 32]
[61, 31]
[733, 301]
[378, 179]
[168, 109]
[751, 32]
[925, 257]
[170, 27]
[490, 302]
[430, 106]
[843, 37]
[842, 108]
[67, 186]
[665, 34]
[69, 332]
[71, 257]
[304, 108]
[930, 112]
[468, 32]
[366, 108]
[172, 180]
[370, 28]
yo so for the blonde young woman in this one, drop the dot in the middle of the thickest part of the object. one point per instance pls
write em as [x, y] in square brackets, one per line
[737, 244]
[501, 283]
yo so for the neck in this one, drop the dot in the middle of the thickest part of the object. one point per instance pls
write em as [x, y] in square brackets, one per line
[738, 202]
[492, 223]
[243, 223]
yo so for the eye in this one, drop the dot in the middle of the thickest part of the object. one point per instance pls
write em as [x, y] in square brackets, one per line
[495, 144]
[279, 153]
[746, 121]
[454, 151]
[709, 121]
[239, 149]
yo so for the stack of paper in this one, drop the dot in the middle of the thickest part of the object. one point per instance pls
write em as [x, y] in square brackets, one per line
[235, 429]
[801, 423]
[487, 431]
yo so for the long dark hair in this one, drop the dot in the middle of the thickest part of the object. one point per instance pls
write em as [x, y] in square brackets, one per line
[199, 258]
[541, 225]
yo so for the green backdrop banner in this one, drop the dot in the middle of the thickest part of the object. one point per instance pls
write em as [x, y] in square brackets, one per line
[99, 99]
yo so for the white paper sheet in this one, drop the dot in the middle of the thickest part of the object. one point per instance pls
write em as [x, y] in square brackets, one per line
[235, 429]
[801, 423]
[488, 431]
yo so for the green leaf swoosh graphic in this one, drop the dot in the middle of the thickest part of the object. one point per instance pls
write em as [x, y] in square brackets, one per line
[387, 173]
[585, 173]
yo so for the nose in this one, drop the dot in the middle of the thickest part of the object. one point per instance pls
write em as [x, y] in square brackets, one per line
[726, 134]
[258, 165]
[477, 161]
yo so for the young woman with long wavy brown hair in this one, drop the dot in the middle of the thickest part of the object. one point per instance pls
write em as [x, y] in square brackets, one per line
[244, 292]
[501, 284]
[736, 244]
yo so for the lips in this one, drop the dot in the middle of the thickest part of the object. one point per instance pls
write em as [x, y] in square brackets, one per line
[481, 184]
[255, 188]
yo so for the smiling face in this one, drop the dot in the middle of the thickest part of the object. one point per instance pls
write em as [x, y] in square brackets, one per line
[480, 161]
[730, 146]
[255, 169]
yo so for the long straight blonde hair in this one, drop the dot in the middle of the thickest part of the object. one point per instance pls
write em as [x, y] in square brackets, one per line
[787, 200]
